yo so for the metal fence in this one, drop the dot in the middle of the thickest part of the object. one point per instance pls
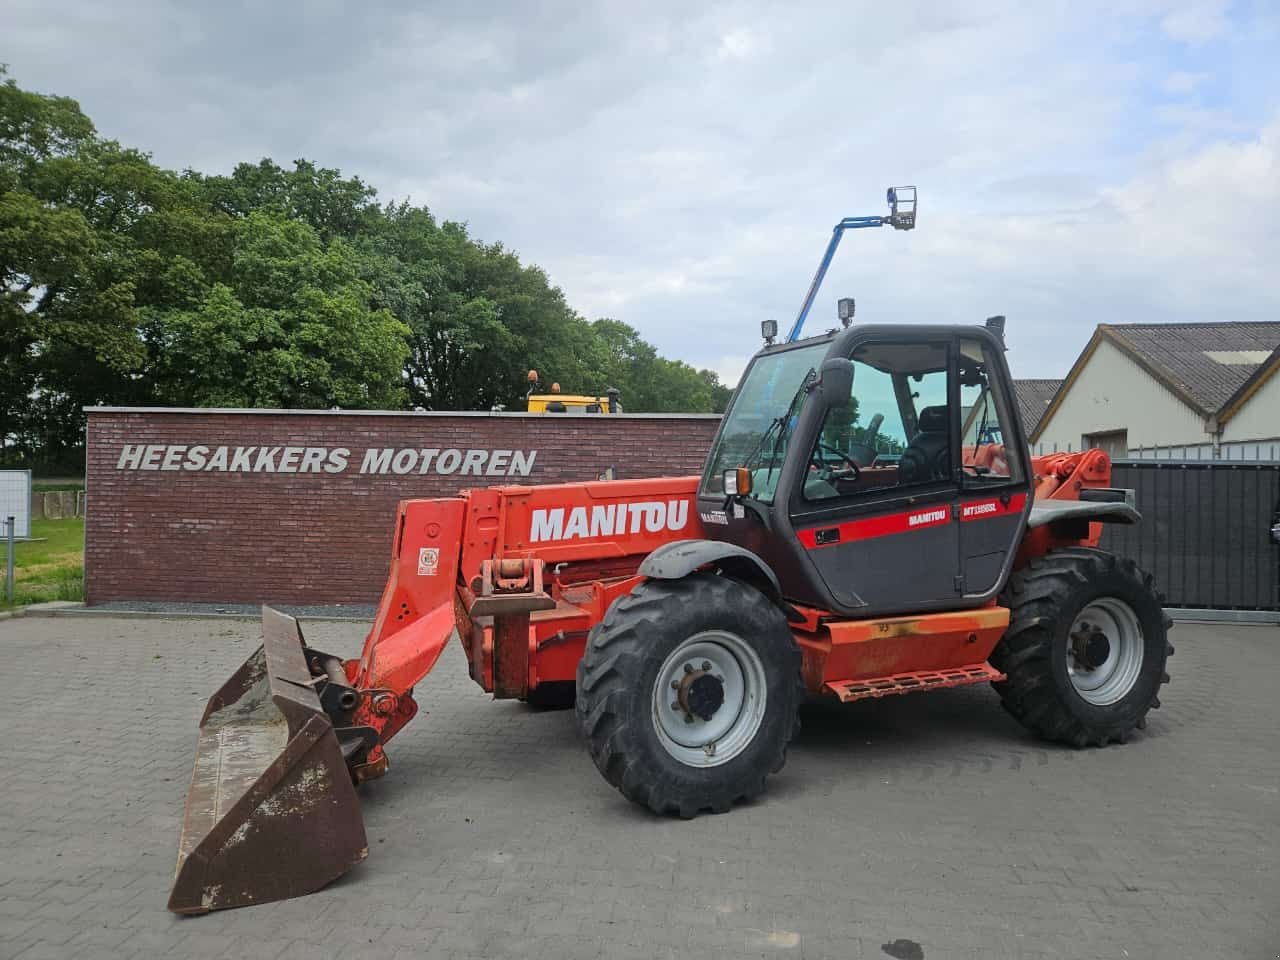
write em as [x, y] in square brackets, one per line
[1259, 450]
[1205, 532]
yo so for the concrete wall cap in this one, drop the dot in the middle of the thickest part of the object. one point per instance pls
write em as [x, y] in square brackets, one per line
[505, 414]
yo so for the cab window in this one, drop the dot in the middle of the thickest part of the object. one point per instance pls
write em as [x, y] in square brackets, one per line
[989, 454]
[895, 430]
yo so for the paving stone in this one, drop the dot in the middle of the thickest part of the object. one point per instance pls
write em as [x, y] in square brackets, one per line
[932, 819]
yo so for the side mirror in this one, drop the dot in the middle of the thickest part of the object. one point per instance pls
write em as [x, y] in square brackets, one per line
[836, 381]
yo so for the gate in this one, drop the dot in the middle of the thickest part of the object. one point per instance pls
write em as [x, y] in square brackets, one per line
[1205, 532]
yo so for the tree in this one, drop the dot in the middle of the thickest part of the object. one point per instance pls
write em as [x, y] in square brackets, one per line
[320, 197]
[295, 327]
[67, 202]
[652, 383]
[459, 347]
[126, 283]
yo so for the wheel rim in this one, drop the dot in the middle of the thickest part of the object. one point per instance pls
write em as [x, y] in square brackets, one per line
[1104, 651]
[709, 698]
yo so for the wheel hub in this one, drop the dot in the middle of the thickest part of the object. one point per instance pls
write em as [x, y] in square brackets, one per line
[1090, 647]
[1105, 651]
[701, 694]
[709, 698]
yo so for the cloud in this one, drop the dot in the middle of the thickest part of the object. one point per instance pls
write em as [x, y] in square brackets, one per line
[680, 168]
[1196, 22]
[1182, 81]
[741, 43]
[730, 367]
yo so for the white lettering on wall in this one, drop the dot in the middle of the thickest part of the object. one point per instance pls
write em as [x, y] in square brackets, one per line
[336, 461]
[448, 461]
[521, 462]
[376, 461]
[196, 457]
[201, 457]
[130, 457]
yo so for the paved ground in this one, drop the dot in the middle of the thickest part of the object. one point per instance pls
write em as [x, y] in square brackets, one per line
[926, 826]
[336, 611]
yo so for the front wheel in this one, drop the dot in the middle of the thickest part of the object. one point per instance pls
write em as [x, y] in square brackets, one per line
[688, 693]
[1086, 648]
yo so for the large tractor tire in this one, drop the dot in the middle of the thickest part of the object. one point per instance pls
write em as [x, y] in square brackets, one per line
[1086, 648]
[688, 694]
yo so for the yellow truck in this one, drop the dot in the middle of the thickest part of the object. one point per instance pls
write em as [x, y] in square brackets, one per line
[557, 402]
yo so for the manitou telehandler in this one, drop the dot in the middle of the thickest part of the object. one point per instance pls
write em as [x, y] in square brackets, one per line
[869, 522]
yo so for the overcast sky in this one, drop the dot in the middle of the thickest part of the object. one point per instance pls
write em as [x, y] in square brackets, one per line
[1078, 162]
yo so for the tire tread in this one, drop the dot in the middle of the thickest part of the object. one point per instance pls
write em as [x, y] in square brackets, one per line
[1039, 598]
[617, 648]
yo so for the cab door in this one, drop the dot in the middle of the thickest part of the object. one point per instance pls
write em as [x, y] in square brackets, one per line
[995, 485]
[875, 511]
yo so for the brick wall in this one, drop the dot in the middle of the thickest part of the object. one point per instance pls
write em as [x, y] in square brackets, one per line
[169, 518]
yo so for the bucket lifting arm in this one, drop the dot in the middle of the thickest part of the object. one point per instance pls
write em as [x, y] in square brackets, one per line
[902, 216]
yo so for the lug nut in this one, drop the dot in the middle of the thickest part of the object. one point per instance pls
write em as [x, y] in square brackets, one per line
[688, 668]
[706, 665]
[688, 718]
[675, 704]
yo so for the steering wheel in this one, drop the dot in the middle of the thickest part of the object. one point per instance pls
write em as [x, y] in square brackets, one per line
[819, 458]
[864, 452]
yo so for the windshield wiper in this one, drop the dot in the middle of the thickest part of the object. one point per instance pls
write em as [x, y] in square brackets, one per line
[784, 421]
[777, 422]
[774, 424]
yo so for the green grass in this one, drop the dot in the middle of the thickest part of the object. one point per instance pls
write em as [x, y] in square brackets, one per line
[50, 568]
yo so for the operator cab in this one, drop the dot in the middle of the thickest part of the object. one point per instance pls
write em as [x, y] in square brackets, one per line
[844, 460]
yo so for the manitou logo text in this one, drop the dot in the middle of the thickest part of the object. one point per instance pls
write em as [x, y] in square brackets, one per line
[608, 520]
[928, 517]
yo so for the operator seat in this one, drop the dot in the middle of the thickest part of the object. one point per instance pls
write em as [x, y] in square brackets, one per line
[928, 455]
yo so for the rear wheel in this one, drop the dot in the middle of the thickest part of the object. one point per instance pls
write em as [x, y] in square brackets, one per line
[688, 693]
[1086, 648]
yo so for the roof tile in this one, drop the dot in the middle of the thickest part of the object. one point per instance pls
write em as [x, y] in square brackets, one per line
[1183, 353]
[1033, 400]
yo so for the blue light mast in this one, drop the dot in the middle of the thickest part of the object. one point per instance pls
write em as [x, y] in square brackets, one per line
[902, 216]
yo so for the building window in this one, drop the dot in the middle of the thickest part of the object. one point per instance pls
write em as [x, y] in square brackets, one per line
[1114, 443]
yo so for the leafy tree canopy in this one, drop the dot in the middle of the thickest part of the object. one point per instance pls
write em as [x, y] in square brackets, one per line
[125, 283]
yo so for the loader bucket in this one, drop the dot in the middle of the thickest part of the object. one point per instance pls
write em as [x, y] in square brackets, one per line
[271, 812]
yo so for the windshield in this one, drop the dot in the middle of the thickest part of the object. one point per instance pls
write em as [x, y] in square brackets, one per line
[759, 424]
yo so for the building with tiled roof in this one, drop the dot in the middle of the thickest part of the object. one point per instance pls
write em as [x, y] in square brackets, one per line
[1208, 389]
[1034, 397]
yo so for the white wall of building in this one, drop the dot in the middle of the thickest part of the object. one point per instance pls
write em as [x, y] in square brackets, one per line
[1112, 392]
[1259, 418]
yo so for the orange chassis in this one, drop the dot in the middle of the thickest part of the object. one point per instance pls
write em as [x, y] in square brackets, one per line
[539, 566]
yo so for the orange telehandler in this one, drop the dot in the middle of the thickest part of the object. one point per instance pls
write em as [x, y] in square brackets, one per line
[869, 522]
